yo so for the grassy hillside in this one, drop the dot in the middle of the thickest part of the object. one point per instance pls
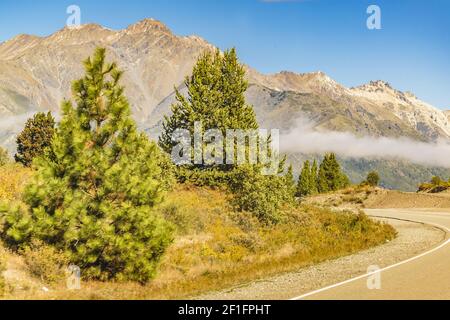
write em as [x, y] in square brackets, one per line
[215, 247]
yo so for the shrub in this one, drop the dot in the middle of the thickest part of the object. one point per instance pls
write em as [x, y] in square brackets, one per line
[45, 262]
[264, 196]
[4, 157]
[35, 138]
[373, 179]
[436, 185]
[13, 178]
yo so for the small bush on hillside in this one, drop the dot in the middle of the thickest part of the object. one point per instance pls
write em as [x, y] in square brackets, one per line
[35, 138]
[4, 157]
[264, 196]
[436, 185]
[373, 179]
[13, 178]
[45, 262]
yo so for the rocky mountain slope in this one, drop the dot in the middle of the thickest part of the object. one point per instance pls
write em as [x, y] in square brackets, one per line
[36, 75]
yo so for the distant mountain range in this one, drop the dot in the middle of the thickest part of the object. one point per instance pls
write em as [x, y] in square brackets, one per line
[36, 75]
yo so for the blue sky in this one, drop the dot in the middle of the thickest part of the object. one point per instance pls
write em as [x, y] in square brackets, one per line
[411, 51]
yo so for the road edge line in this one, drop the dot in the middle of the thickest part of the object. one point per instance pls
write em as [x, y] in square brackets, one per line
[383, 269]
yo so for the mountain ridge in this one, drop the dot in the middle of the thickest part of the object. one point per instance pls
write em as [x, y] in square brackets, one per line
[36, 75]
[155, 61]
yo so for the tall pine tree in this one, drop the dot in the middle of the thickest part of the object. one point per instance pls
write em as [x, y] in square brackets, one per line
[216, 98]
[314, 176]
[290, 181]
[304, 181]
[94, 192]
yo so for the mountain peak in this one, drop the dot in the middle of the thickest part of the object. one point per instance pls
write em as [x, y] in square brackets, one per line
[380, 84]
[375, 86]
[148, 25]
[88, 27]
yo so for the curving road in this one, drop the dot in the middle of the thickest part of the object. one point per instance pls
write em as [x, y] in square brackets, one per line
[426, 276]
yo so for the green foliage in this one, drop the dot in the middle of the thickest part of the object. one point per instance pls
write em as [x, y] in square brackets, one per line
[215, 98]
[4, 157]
[436, 185]
[93, 194]
[325, 178]
[373, 179]
[331, 177]
[314, 177]
[290, 182]
[264, 196]
[305, 181]
[395, 174]
[436, 181]
[35, 138]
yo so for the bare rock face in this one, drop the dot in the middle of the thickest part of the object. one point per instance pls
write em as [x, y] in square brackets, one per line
[36, 75]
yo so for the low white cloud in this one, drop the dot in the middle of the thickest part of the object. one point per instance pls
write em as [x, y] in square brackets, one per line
[305, 139]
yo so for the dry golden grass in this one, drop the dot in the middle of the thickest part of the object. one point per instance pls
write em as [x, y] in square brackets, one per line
[13, 178]
[216, 248]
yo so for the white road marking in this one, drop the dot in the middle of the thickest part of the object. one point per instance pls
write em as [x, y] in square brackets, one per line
[382, 270]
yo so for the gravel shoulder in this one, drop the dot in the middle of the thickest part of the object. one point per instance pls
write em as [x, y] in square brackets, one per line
[413, 239]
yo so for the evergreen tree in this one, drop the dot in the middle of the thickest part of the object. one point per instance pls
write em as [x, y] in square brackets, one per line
[314, 177]
[290, 181]
[331, 177]
[216, 98]
[94, 190]
[304, 181]
[322, 180]
[35, 138]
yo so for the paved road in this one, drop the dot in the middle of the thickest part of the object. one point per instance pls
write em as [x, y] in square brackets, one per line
[426, 276]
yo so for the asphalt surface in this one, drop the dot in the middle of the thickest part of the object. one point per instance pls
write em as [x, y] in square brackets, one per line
[423, 277]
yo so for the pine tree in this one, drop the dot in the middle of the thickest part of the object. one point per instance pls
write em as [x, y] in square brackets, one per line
[94, 192]
[35, 138]
[331, 177]
[322, 180]
[216, 98]
[304, 181]
[290, 181]
[314, 177]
